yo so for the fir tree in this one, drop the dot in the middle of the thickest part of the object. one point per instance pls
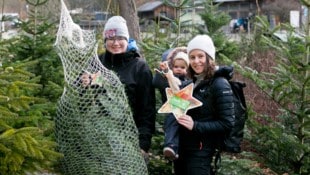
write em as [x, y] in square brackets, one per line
[30, 83]
[35, 43]
[24, 146]
[215, 20]
[284, 142]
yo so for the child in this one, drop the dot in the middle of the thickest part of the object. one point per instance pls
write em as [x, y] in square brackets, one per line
[177, 61]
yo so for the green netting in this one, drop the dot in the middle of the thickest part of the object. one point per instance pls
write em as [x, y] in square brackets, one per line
[94, 127]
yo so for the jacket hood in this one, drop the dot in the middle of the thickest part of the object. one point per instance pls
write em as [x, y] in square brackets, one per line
[225, 71]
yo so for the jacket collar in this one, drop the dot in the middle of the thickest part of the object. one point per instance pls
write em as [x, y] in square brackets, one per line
[116, 60]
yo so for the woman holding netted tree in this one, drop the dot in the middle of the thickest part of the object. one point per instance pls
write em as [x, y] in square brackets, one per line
[102, 126]
[135, 74]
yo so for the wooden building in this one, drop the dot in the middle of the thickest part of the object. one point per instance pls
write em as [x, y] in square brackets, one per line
[154, 10]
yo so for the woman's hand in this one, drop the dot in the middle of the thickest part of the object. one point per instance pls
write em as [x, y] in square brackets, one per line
[186, 121]
[86, 79]
[145, 156]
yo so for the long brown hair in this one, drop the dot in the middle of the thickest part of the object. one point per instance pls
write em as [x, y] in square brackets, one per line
[209, 69]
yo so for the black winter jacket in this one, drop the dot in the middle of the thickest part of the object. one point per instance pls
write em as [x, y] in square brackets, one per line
[137, 77]
[214, 118]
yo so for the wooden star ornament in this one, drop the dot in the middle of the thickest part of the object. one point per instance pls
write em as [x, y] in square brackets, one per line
[179, 102]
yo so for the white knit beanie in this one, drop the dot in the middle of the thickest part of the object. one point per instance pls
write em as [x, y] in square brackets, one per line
[116, 26]
[183, 56]
[204, 43]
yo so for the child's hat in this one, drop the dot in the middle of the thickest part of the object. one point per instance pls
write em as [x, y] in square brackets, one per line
[173, 52]
[183, 56]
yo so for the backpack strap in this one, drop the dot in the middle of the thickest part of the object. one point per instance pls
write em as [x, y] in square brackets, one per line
[217, 161]
[237, 88]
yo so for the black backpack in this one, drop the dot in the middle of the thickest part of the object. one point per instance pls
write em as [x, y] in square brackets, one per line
[232, 141]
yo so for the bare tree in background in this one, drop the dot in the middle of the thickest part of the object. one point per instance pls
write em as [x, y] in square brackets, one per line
[124, 8]
[258, 8]
[129, 11]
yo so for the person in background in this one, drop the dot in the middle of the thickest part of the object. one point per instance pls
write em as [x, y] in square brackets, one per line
[123, 58]
[202, 129]
[177, 61]
[159, 82]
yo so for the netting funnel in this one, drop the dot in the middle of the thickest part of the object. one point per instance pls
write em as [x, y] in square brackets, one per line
[94, 127]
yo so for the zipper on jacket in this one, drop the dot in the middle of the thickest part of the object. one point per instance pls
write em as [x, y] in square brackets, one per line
[112, 61]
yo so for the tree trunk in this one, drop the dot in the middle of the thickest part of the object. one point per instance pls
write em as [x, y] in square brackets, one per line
[128, 10]
[258, 8]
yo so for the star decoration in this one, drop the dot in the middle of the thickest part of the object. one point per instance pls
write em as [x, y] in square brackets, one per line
[97, 79]
[179, 102]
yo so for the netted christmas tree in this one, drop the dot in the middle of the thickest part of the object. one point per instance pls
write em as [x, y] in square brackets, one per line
[94, 126]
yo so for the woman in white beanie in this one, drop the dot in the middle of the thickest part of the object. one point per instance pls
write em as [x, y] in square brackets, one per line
[135, 74]
[203, 128]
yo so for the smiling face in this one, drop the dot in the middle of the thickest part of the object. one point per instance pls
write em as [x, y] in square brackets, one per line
[117, 44]
[197, 60]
